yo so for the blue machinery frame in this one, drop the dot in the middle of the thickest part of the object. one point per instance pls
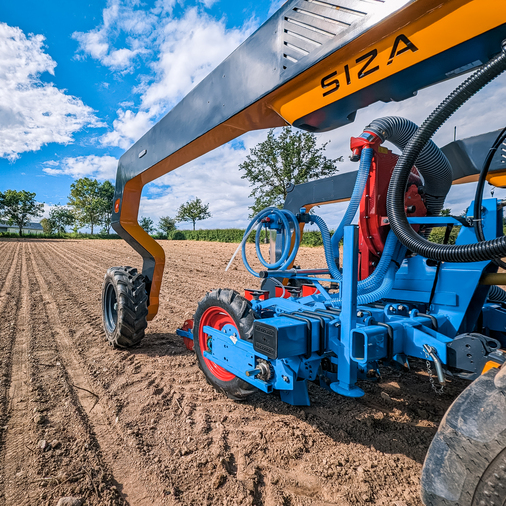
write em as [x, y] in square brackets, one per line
[429, 308]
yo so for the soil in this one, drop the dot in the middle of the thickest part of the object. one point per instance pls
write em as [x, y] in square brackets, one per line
[142, 427]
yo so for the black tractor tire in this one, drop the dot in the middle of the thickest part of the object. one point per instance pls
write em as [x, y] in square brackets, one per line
[224, 306]
[466, 461]
[124, 306]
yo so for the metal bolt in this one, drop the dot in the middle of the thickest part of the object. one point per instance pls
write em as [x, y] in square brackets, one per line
[360, 314]
[286, 379]
[400, 307]
[391, 308]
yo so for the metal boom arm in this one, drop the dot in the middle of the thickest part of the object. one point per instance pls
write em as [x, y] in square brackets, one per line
[313, 64]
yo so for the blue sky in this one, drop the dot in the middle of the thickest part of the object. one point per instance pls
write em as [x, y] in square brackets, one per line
[81, 81]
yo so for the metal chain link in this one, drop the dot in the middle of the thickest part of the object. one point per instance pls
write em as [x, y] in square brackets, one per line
[438, 390]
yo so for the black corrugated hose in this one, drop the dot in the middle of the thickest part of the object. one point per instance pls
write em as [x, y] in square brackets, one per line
[496, 294]
[431, 162]
[485, 250]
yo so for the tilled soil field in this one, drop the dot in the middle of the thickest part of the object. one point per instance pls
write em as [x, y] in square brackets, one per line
[142, 427]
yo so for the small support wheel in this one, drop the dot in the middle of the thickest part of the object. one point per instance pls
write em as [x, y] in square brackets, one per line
[219, 308]
[466, 461]
[124, 306]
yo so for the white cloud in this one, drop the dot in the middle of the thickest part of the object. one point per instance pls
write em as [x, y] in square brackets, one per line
[275, 5]
[99, 167]
[183, 51]
[118, 17]
[128, 127]
[208, 3]
[33, 113]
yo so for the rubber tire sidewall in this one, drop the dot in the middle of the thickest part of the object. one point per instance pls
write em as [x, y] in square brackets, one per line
[236, 389]
[126, 333]
[469, 443]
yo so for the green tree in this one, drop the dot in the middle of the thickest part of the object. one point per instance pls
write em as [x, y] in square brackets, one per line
[293, 157]
[47, 226]
[193, 210]
[87, 202]
[166, 225]
[61, 217]
[17, 208]
[445, 212]
[147, 224]
[106, 192]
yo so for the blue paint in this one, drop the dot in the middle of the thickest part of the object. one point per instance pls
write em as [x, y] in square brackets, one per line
[336, 347]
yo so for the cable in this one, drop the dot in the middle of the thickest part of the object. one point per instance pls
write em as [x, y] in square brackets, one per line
[481, 251]
[478, 197]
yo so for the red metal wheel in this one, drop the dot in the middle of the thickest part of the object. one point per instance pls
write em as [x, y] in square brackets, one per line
[215, 317]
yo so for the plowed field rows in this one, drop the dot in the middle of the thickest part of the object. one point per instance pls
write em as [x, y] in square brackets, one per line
[142, 426]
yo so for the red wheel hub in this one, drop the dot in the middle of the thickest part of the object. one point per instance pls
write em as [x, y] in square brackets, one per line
[215, 317]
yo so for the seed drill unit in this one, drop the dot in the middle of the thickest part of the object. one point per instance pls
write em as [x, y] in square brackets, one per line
[394, 295]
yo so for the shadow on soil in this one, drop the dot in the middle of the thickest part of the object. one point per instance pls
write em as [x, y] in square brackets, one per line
[403, 423]
[161, 344]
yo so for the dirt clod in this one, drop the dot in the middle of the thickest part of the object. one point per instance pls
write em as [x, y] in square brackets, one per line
[70, 501]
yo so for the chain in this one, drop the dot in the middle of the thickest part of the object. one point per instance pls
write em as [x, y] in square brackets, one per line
[438, 390]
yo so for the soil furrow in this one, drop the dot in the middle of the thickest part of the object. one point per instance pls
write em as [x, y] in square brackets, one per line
[7, 274]
[69, 460]
[93, 270]
[8, 332]
[18, 469]
[112, 439]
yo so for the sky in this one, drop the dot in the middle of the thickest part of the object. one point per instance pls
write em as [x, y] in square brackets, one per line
[80, 82]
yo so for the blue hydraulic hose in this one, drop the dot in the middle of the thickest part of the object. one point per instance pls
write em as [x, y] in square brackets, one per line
[375, 279]
[383, 290]
[327, 248]
[378, 293]
[356, 196]
[286, 257]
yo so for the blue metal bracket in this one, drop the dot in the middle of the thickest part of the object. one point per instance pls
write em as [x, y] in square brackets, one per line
[347, 370]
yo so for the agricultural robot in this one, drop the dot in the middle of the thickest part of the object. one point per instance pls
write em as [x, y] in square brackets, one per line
[394, 295]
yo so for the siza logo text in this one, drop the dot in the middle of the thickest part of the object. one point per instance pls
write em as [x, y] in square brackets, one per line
[369, 64]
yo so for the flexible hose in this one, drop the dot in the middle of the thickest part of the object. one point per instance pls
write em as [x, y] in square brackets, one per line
[375, 279]
[431, 162]
[378, 293]
[496, 294]
[481, 251]
[478, 196]
[327, 247]
[390, 251]
[286, 257]
[363, 173]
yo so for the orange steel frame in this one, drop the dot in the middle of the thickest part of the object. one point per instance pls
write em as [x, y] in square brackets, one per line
[433, 26]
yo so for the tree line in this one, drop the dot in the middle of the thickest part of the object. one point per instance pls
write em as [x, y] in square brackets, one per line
[90, 204]
[271, 168]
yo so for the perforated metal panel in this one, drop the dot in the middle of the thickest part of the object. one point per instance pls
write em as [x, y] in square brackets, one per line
[310, 24]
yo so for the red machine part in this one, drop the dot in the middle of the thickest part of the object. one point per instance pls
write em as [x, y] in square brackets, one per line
[188, 325]
[373, 220]
[216, 318]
